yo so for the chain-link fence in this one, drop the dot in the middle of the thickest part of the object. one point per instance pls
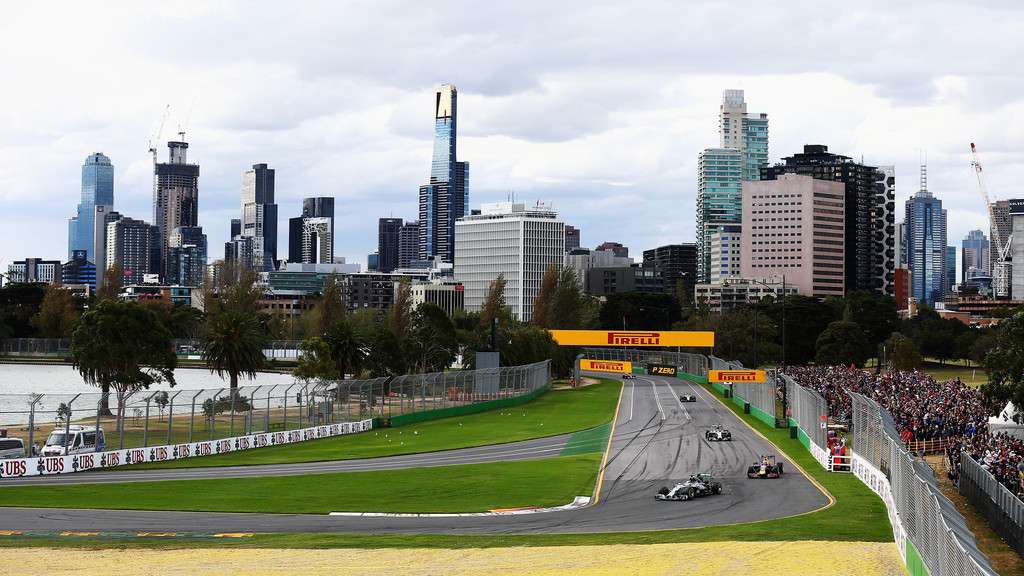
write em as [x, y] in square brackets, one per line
[151, 418]
[809, 410]
[1002, 508]
[938, 533]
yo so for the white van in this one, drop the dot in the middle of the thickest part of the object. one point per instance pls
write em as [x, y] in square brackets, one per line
[77, 439]
[12, 448]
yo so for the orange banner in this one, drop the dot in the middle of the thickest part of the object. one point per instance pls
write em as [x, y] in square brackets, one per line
[633, 338]
[736, 376]
[606, 365]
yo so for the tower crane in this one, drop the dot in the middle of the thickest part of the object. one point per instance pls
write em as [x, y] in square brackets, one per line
[1001, 258]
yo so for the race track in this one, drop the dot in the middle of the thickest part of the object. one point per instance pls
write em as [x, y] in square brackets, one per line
[656, 441]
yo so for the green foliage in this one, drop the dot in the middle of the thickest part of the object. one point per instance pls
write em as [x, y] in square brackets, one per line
[400, 317]
[494, 302]
[639, 311]
[432, 342]
[111, 285]
[183, 321]
[386, 356]
[19, 302]
[232, 286]
[546, 294]
[347, 347]
[57, 313]
[569, 307]
[63, 414]
[843, 342]
[233, 344]
[901, 354]
[122, 346]
[1005, 363]
[315, 362]
[330, 308]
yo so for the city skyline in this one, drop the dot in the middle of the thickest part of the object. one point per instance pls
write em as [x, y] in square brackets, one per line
[550, 110]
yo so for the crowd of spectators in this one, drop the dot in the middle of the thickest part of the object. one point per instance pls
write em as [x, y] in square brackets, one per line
[948, 413]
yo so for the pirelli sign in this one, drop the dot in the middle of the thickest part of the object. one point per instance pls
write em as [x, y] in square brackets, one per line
[606, 365]
[736, 376]
[633, 338]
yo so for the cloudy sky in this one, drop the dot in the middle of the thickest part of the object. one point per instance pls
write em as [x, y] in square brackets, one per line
[600, 107]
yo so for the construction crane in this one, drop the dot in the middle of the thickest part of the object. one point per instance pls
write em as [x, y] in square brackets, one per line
[1001, 247]
[153, 142]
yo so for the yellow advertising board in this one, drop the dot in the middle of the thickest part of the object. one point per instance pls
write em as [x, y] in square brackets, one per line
[606, 365]
[736, 376]
[633, 338]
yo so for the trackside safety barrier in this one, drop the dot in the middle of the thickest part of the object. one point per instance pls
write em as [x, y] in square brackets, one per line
[90, 460]
[931, 535]
[1004, 510]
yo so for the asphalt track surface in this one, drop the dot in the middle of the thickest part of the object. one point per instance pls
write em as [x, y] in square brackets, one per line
[656, 441]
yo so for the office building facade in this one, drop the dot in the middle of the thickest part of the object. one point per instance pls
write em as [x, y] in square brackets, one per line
[388, 230]
[508, 239]
[678, 263]
[259, 215]
[97, 189]
[445, 198]
[312, 242]
[741, 153]
[186, 256]
[130, 245]
[974, 255]
[176, 198]
[925, 226]
[793, 227]
[869, 213]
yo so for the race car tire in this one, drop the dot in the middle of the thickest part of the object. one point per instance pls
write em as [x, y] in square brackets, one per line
[780, 468]
[663, 491]
[716, 488]
[690, 493]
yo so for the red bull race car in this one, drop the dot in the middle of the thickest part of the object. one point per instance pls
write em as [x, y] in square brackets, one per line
[765, 467]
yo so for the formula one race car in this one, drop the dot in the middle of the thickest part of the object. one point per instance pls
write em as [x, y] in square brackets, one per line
[697, 485]
[718, 434]
[688, 398]
[765, 467]
[629, 376]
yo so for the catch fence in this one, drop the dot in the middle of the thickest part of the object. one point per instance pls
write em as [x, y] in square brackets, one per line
[926, 525]
[1003, 509]
[695, 365]
[170, 417]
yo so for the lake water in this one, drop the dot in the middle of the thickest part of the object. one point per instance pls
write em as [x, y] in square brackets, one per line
[60, 384]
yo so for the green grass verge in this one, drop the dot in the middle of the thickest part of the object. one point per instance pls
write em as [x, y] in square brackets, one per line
[858, 515]
[556, 412]
[442, 489]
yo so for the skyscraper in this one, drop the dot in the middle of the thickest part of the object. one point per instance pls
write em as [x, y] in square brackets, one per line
[176, 199]
[445, 198]
[312, 242]
[974, 255]
[259, 214]
[408, 243]
[129, 244]
[926, 245]
[186, 256]
[387, 243]
[97, 189]
[869, 218]
[742, 151]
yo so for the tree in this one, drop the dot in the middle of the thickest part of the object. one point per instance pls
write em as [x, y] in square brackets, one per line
[494, 301]
[315, 362]
[113, 282]
[19, 302]
[401, 310]
[843, 342]
[568, 305]
[330, 309]
[57, 314]
[347, 347]
[386, 357]
[546, 294]
[232, 286]
[901, 354]
[183, 321]
[233, 343]
[432, 342]
[162, 400]
[1005, 364]
[121, 346]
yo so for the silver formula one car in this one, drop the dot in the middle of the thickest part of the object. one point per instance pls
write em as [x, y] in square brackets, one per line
[718, 434]
[688, 398]
[696, 485]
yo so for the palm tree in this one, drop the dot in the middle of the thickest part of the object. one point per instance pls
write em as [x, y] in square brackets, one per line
[233, 342]
[347, 346]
